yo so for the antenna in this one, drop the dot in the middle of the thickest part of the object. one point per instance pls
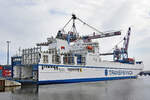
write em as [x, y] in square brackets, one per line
[19, 51]
[8, 42]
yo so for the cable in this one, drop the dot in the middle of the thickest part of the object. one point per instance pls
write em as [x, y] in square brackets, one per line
[74, 18]
[66, 24]
[90, 26]
[115, 45]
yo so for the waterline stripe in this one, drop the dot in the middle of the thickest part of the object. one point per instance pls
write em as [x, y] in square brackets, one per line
[83, 80]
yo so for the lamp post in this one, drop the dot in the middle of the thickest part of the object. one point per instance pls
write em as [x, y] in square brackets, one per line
[7, 52]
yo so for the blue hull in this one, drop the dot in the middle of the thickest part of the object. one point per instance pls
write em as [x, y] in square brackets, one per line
[83, 80]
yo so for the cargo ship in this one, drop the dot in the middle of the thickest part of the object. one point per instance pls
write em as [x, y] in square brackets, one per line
[71, 58]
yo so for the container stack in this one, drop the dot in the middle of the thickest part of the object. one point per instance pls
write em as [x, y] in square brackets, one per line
[5, 71]
[1, 71]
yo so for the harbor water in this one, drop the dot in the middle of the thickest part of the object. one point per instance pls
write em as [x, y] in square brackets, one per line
[130, 89]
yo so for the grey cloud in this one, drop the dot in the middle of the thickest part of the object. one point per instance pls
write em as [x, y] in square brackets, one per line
[26, 22]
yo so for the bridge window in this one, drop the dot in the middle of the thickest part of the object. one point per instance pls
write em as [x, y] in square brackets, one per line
[45, 58]
[56, 59]
[68, 59]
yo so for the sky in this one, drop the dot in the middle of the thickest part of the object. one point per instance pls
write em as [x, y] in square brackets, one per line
[27, 22]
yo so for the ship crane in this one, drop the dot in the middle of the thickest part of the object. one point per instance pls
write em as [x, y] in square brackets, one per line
[126, 41]
[73, 35]
[121, 54]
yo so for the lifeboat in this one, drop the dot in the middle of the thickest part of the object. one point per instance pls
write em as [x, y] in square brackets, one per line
[62, 47]
[130, 59]
[89, 47]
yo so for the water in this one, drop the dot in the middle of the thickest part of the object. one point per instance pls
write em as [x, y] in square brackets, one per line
[131, 89]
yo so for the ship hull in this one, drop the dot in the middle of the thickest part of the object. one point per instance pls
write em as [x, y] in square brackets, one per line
[55, 74]
[84, 80]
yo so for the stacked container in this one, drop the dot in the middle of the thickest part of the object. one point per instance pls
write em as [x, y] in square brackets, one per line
[1, 68]
[6, 71]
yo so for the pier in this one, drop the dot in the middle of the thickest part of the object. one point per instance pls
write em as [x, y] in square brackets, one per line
[8, 83]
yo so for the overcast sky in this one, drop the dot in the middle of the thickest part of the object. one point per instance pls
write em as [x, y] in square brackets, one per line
[27, 22]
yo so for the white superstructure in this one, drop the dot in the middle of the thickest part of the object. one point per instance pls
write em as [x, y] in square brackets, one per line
[80, 64]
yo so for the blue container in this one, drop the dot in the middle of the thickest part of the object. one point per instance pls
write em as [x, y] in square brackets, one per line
[0, 73]
[7, 67]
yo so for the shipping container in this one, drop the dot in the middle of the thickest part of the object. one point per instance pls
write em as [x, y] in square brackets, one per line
[7, 67]
[6, 73]
[0, 73]
[1, 67]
